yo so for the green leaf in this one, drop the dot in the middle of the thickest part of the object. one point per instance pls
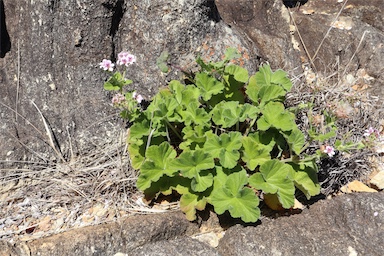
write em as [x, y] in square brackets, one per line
[208, 85]
[306, 180]
[194, 136]
[271, 93]
[177, 88]
[255, 153]
[190, 94]
[163, 67]
[253, 89]
[208, 67]
[135, 155]
[166, 185]
[296, 140]
[202, 181]
[275, 115]
[190, 202]
[156, 165]
[240, 201]
[231, 53]
[195, 114]
[280, 77]
[263, 76]
[161, 61]
[248, 111]
[266, 86]
[138, 130]
[191, 164]
[164, 108]
[239, 73]
[116, 82]
[224, 147]
[322, 137]
[276, 177]
[226, 114]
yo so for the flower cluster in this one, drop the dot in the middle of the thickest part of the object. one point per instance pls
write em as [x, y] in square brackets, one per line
[107, 65]
[123, 58]
[118, 99]
[122, 100]
[137, 97]
[370, 131]
[330, 151]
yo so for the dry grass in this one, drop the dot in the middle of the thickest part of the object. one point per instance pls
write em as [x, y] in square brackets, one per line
[346, 96]
[343, 92]
[97, 186]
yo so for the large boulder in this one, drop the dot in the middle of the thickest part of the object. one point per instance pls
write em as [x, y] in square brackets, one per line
[335, 38]
[344, 38]
[53, 63]
[346, 225]
[57, 45]
[107, 239]
[266, 23]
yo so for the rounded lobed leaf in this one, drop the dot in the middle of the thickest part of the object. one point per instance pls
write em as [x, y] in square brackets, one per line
[226, 114]
[239, 73]
[276, 177]
[240, 201]
[224, 147]
[156, 164]
[193, 165]
[208, 85]
[190, 202]
[275, 115]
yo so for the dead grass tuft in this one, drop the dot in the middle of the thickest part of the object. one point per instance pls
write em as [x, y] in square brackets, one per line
[95, 187]
[346, 96]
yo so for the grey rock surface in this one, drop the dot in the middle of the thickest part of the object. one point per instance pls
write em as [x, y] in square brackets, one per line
[345, 225]
[56, 48]
[354, 38]
[336, 38]
[179, 247]
[266, 23]
[57, 45]
[351, 224]
[108, 239]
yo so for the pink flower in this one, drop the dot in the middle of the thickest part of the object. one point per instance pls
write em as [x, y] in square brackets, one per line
[370, 131]
[107, 65]
[137, 97]
[329, 150]
[125, 58]
[118, 99]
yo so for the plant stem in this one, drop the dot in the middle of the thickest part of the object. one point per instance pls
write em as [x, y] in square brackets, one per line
[249, 127]
[173, 129]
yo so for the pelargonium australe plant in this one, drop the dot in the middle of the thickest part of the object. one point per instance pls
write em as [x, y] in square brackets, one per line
[224, 139]
[126, 101]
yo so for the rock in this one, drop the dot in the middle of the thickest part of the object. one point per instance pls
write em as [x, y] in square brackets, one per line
[57, 45]
[5, 45]
[56, 48]
[343, 225]
[266, 23]
[183, 28]
[108, 239]
[353, 41]
[184, 246]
